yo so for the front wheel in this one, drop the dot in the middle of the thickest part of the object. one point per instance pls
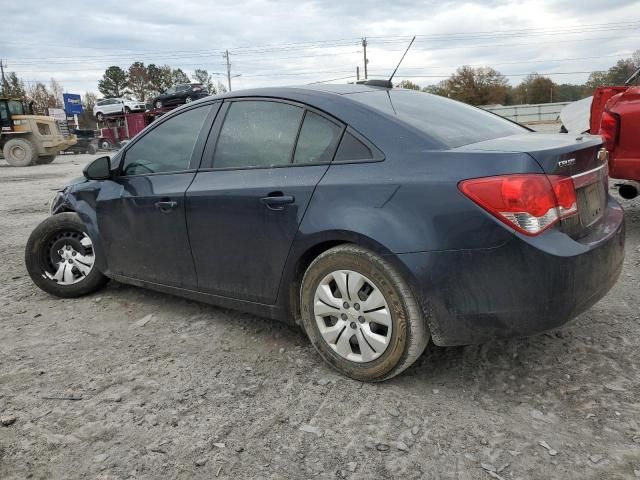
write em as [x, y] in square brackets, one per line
[158, 104]
[361, 315]
[60, 257]
[100, 116]
[20, 152]
[188, 100]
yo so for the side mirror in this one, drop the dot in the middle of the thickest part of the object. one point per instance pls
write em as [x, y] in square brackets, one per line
[99, 169]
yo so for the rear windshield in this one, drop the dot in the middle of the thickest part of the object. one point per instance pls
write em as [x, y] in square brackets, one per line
[448, 122]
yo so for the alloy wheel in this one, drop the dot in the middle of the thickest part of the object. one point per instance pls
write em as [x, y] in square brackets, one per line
[352, 316]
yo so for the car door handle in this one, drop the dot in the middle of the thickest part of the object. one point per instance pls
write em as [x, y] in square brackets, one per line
[277, 201]
[166, 206]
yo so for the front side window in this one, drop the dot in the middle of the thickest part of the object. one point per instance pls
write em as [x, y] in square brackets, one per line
[317, 140]
[168, 147]
[257, 134]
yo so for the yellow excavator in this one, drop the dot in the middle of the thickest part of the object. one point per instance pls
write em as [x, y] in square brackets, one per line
[27, 139]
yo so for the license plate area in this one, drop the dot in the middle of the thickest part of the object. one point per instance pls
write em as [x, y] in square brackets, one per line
[591, 203]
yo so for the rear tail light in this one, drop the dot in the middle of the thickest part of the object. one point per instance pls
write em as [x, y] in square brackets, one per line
[609, 127]
[530, 203]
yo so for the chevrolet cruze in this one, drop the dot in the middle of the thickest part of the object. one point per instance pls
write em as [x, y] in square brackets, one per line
[375, 218]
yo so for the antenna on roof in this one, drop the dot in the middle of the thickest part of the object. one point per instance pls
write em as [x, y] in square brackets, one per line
[405, 52]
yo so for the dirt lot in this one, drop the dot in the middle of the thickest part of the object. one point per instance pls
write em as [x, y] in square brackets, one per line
[101, 390]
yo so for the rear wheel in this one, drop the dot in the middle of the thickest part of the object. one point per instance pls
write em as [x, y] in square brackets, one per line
[188, 100]
[91, 149]
[60, 257]
[105, 144]
[100, 116]
[46, 159]
[158, 104]
[361, 315]
[19, 152]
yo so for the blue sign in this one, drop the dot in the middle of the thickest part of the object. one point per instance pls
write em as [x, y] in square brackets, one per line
[72, 103]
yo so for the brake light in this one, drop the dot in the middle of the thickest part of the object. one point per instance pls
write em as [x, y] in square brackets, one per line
[609, 126]
[530, 203]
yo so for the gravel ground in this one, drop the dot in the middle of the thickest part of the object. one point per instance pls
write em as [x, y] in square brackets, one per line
[128, 383]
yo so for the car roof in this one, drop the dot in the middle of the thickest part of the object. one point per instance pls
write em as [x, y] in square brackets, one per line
[381, 129]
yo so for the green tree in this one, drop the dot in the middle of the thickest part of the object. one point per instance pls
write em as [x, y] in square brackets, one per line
[114, 82]
[41, 97]
[203, 77]
[159, 78]
[85, 119]
[475, 86]
[567, 92]
[138, 80]
[621, 71]
[409, 85]
[178, 76]
[535, 89]
[15, 87]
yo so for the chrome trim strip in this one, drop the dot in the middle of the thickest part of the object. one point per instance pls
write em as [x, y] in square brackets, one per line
[588, 172]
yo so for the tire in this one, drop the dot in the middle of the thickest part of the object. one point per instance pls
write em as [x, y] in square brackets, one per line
[46, 159]
[100, 116]
[127, 110]
[105, 144]
[405, 337]
[188, 100]
[43, 261]
[92, 149]
[158, 104]
[19, 152]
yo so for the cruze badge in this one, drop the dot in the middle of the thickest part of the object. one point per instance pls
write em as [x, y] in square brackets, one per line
[567, 163]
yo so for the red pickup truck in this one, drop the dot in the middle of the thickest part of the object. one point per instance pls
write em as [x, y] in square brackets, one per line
[615, 115]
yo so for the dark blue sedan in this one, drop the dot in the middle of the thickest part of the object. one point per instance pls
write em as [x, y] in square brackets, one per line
[375, 218]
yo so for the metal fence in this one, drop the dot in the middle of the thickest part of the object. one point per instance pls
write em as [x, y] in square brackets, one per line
[541, 112]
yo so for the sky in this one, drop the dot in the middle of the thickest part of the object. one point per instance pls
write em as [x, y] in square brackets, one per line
[294, 42]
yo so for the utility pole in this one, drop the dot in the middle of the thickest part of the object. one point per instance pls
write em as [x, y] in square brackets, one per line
[357, 73]
[5, 87]
[225, 55]
[551, 100]
[364, 46]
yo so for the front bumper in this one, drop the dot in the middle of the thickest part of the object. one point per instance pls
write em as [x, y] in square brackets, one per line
[520, 288]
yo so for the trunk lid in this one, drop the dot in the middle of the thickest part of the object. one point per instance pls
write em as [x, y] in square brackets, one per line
[575, 156]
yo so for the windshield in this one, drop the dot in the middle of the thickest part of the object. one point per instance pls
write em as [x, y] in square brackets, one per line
[15, 107]
[448, 122]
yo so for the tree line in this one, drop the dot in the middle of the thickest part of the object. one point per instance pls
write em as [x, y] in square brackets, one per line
[475, 86]
[145, 82]
[487, 86]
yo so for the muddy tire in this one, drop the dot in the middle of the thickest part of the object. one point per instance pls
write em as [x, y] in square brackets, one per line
[45, 159]
[360, 314]
[19, 152]
[60, 259]
[92, 149]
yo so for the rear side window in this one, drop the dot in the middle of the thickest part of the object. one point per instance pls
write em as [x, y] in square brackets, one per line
[352, 149]
[450, 123]
[257, 134]
[317, 140]
[169, 146]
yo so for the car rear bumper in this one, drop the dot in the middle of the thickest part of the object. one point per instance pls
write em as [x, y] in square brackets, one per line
[522, 287]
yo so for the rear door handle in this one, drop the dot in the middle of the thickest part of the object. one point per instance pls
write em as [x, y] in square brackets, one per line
[166, 205]
[277, 202]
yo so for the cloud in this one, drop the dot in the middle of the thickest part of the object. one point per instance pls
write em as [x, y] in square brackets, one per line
[76, 43]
